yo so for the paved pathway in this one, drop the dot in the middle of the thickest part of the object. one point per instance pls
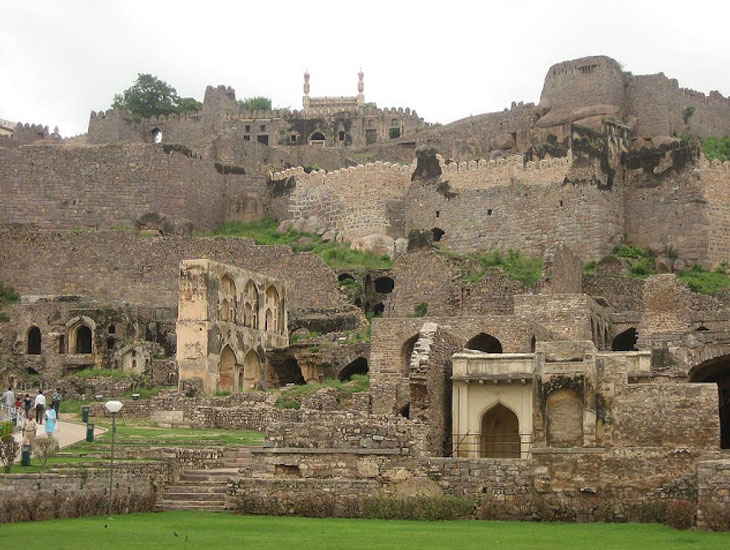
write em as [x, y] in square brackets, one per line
[67, 433]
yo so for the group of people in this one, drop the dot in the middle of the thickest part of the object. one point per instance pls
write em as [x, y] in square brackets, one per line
[39, 410]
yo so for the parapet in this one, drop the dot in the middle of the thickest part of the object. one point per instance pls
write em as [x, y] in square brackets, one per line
[28, 133]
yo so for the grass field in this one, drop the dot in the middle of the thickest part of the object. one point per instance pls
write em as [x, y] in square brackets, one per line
[204, 530]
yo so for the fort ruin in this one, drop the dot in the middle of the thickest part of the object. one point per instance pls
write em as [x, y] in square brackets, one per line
[584, 386]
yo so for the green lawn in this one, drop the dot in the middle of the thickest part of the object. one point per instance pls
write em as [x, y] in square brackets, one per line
[209, 531]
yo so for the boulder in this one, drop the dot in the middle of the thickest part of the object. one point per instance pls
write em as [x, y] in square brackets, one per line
[544, 106]
[285, 226]
[679, 265]
[381, 245]
[313, 225]
[663, 265]
[401, 246]
[330, 235]
[504, 141]
[299, 224]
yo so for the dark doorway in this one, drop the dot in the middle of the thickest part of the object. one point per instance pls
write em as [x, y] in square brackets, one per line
[485, 342]
[83, 339]
[500, 435]
[626, 341]
[384, 285]
[437, 233]
[718, 371]
[34, 341]
[358, 366]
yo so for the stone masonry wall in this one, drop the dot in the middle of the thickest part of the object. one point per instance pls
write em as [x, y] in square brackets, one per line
[351, 200]
[65, 262]
[60, 187]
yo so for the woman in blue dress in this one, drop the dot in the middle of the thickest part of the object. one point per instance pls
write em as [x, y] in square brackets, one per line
[50, 421]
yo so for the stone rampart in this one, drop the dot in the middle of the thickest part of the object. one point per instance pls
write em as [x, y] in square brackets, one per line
[352, 200]
[90, 264]
[58, 187]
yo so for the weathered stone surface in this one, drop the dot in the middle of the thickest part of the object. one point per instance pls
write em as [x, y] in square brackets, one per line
[381, 245]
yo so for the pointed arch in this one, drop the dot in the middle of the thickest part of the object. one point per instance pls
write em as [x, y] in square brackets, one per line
[227, 369]
[485, 342]
[228, 299]
[34, 341]
[358, 366]
[80, 335]
[499, 433]
[625, 341]
[251, 371]
[251, 305]
[273, 302]
[717, 370]
[406, 351]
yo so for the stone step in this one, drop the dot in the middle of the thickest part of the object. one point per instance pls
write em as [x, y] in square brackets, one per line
[179, 487]
[190, 505]
[194, 497]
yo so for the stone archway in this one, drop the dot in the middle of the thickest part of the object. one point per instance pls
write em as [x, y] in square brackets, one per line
[717, 370]
[34, 341]
[358, 366]
[227, 370]
[485, 342]
[625, 341]
[405, 352]
[251, 371]
[500, 433]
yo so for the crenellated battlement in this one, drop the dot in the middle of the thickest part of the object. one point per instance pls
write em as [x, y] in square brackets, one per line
[320, 175]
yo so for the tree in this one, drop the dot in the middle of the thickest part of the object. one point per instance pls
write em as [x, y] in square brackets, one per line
[149, 96]
[257, 103]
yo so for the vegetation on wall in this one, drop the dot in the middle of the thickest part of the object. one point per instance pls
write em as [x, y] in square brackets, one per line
[335, 255]
[7, 296]
[149, 96]
[291, 398]
[474, 266]
[716, 148]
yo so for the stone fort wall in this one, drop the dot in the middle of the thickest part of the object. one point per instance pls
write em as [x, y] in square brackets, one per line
[482, 206]
[352, 200]
[103, 187]
[117, 265]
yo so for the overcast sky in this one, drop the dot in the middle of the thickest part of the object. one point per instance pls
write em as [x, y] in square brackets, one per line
[60, 59]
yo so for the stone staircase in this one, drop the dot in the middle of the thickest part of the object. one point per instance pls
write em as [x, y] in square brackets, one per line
[205, 489]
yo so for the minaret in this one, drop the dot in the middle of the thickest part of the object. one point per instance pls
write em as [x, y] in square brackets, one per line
[360, 89]
[305, 99]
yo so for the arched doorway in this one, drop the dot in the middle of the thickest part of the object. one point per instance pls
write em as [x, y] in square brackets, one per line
[564, 419]
[500, 433]
[251, 371]
[405, 353]
[34, 341]
[718, 371]
[358, 366]
[227, 370]
[318, 139]
[485, 342]
[626, 341]
[83, 339]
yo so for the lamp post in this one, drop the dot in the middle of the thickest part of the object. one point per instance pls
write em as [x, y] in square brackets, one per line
[113, 407]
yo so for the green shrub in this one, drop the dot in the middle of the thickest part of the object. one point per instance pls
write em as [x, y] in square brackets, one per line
[418, 508]
[642, 268]
[631, 252]
[716, 148]
[475, 266]
[688, 112]
[705, 282]
[589, 268]
[420, 310]
[291, 398]
[222, 393]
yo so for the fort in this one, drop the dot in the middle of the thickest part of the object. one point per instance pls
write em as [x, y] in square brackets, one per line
[600, 378]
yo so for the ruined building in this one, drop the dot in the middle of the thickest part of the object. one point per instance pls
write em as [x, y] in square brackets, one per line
[585, 385]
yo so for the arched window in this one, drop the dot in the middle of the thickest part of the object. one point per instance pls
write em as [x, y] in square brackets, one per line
[156, 135]
[83, 339]
[500, 433]
[272, 309]
[34, 341]
[228, 299]
[250, 305]
[564, 419]
[384, 285]
[626, 341]
[485, 342]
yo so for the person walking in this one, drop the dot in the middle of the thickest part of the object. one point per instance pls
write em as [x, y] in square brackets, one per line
[50, 421]
[40, 406]
[27, 404]
[29, 432]
[57, 398]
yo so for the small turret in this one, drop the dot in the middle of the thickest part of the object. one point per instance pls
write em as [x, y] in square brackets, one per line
[360, 88]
